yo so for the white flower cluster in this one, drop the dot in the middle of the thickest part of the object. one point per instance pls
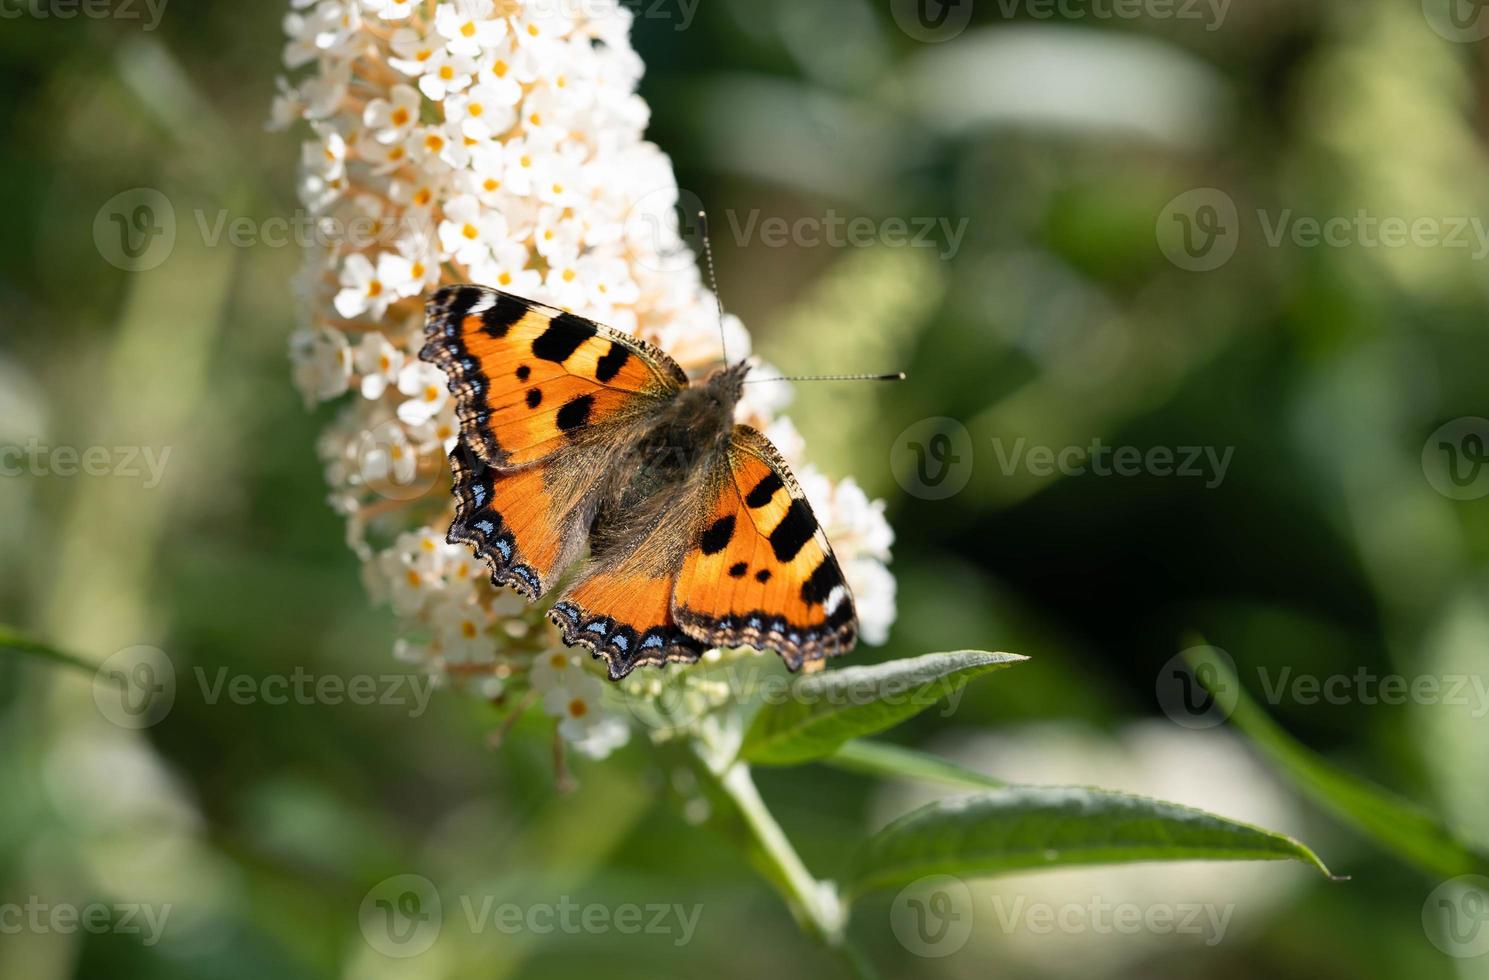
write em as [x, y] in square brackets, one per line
[496, 142]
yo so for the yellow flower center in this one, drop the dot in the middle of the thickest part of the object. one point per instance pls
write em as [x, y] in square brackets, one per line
[577, 708]
[469, 231]
[431, 393]
[569, 275]
[374, 288]
[468, 29]
[491, 184]
[468, 630]
[505, 279]
[446, 72]
[500, 69]
[413, 579]
[400, 116]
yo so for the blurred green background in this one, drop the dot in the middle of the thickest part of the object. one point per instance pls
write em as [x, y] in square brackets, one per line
[1060, 137]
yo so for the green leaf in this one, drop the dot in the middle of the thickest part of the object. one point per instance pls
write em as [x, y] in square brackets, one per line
[813, 715]
[1024, 827]
[13, 641]
[882, 759]
[1397, 824]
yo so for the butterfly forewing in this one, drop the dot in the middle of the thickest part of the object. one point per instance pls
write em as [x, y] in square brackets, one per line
[530, 379]
[547, 402]
[760, 571]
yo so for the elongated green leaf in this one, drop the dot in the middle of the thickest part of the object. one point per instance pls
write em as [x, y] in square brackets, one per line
[895, 761]
[14, 641]
[1397, 824]
[813, 715]
[1024, 827]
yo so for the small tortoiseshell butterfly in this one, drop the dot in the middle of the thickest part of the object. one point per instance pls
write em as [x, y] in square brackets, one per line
[574, 434]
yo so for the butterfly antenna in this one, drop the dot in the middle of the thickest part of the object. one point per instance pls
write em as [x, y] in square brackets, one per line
[714, 281]
[895, 376]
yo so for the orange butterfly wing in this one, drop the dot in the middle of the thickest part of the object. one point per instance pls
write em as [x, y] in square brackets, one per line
[544, 399]
[527, 378]
[760, 571]
[520, 522]
[624, 616]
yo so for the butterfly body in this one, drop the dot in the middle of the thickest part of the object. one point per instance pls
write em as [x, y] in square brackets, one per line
[576, 438]
[686, 440]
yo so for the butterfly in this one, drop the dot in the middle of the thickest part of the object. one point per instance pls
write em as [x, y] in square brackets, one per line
[587, 460]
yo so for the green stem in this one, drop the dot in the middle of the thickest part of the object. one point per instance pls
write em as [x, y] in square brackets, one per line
[814, 903]
[17, 642]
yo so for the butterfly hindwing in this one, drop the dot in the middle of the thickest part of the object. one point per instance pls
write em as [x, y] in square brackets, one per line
[759, 571]
[621, 606]
[527, 524]
[624, 617]
[530, 379]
